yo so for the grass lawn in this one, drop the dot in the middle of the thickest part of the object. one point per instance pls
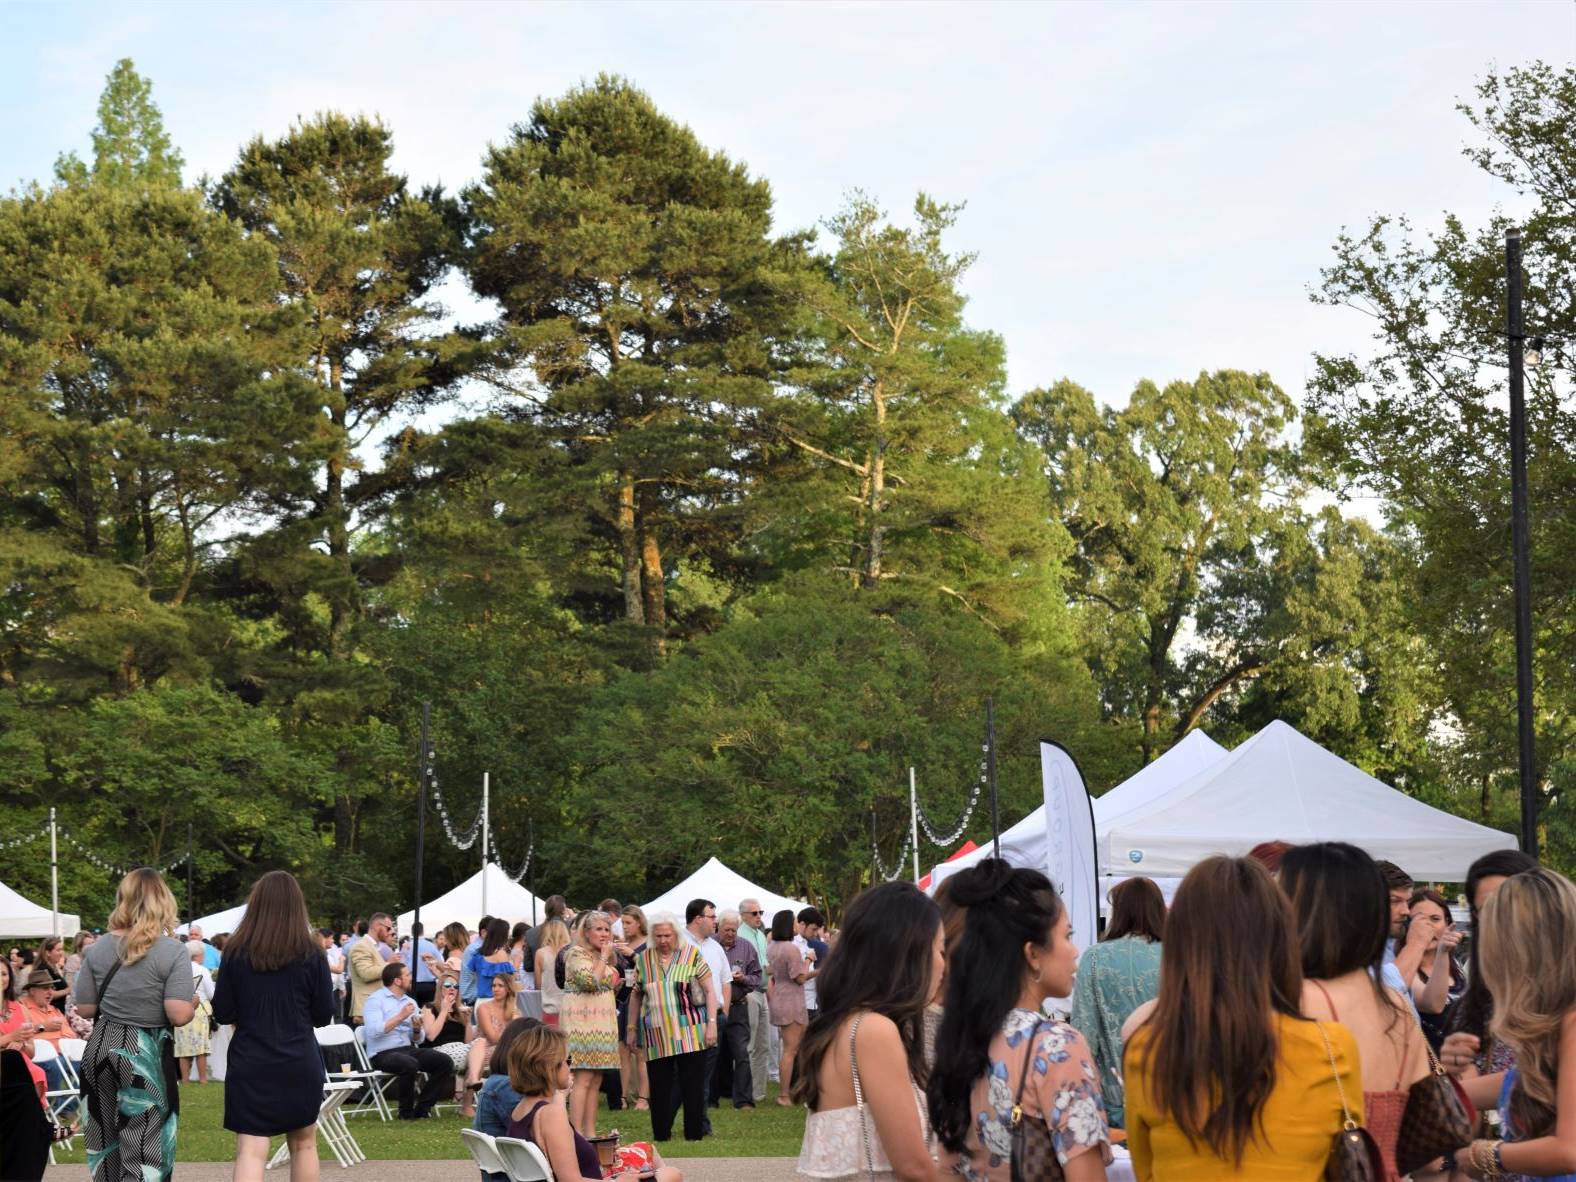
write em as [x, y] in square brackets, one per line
[766, 1131]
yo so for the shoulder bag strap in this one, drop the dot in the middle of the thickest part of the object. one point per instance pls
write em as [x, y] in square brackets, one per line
[1347, 1122]
[859, 1095]
[1028, 1062]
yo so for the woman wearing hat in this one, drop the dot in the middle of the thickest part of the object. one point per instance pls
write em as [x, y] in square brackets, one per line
[49, 1025]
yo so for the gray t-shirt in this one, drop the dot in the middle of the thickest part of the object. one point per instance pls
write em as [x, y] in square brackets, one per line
[139, 991]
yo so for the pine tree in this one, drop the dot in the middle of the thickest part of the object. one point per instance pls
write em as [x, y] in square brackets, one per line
[130, 146]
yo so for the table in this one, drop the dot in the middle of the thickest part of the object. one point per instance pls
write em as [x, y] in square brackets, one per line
[1121, 1167]
[530, 1003]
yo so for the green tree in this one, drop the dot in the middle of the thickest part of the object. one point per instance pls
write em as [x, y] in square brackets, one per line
[130, 146]
[629, 261]
[1420, 422]
[911, 471]
[1157, 497]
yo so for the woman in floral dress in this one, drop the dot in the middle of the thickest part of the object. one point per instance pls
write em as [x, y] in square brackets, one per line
[589, 1016]
[997, 1050]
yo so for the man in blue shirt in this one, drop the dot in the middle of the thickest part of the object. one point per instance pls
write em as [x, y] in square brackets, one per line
[468, 984]
[390, 1026]
[422, 952]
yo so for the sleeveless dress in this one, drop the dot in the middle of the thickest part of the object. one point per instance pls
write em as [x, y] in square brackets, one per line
[588, 1012]
[1384, 1110]
[1508, 1129]
[842, 1142]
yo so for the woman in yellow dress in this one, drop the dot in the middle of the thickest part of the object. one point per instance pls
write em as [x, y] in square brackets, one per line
[1225, 1078]
[588, 1014]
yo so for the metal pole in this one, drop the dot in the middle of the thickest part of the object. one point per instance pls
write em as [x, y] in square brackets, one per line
[54, 878]
[530, 829]
[913, 820]
[424, 771]
[1518, 533]
[191, 894]
[990, 772]
[486, 788]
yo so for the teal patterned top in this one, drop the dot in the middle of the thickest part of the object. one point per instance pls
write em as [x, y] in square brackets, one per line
[1114, 979]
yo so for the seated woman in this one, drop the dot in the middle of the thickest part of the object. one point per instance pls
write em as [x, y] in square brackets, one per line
[497, 1098]
[539, 1071]
[492, 1015]
[446, 1027]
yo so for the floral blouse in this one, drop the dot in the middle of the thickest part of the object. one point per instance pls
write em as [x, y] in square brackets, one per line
[1063, 1091]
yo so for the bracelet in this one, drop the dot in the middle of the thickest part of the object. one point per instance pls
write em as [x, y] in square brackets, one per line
[1499, 1160]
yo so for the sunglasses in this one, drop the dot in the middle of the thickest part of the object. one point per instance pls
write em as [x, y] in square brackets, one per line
[450, 985]
[752, 913]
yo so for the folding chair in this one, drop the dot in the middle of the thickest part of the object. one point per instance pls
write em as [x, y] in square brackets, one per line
[331, 1125]
[59, 1098]
[524, 1162]
[483, 1152]
[341, 1037]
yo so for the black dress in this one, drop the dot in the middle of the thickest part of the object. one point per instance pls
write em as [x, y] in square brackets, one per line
[274, 1073]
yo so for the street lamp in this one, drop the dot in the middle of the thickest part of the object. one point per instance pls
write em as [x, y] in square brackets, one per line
[1522, 572]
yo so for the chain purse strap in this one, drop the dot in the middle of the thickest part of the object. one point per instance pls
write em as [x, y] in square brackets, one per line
[1346, 1112]
[859, 1096]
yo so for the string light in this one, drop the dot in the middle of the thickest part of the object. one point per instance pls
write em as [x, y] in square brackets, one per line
[473, 831]
[932, 831]
[24, 839]
[902, 854]
[498, 859]
[107, 867]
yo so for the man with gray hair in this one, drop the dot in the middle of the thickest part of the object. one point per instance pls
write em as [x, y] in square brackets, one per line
[753, 929]
[734, 1076]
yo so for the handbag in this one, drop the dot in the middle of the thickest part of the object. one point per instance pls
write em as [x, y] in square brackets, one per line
[1033, 1152]
[1354, 1155]
[1438, 1118]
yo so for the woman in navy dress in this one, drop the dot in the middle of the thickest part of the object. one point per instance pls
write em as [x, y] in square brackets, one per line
[273, 987]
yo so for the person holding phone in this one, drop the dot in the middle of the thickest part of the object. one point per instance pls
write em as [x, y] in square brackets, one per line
[446, 1028]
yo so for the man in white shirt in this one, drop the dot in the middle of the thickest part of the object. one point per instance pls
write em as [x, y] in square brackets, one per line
[700, 919]
[390, 1027]
[753, 929]
[807, 937]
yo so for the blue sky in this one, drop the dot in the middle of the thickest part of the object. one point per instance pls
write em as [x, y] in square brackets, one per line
[1151, 188]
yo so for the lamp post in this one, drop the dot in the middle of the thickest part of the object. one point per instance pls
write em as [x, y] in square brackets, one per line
[423, 773]
[1522, 567]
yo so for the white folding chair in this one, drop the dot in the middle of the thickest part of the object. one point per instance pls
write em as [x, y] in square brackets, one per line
[338, 1036]
[523, 1161]
[59, 1098]
[483, 1152]
[331, 1125]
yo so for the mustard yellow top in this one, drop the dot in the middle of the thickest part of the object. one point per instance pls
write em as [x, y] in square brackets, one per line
[1301, 1117]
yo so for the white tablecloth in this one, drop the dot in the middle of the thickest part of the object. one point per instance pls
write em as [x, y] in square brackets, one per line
[219, 1051]
[1120, 1169]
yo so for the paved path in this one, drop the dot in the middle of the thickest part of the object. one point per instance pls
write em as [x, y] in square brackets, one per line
[696, 1169]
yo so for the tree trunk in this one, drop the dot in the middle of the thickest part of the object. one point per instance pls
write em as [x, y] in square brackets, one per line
[337, 525]
[86, 497]
[653, 587]
[629, 548]
[150, 538]
[875, 503]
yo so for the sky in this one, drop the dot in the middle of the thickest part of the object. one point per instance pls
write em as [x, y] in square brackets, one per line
[1151, 189]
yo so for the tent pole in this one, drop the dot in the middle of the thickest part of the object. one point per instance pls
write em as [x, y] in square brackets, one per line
[990, 772]
[913, 820]
[486, 788]
[530, 829]
[54, 878]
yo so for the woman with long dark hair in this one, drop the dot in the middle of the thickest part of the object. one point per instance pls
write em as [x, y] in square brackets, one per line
[998, 1053]
[274, 987]
[136, 985]
[785, 997]
[861, 1066]
[1470, 1043]
[1441, 981]
[1115, 977]
[1341, 901]
[1225, 1078]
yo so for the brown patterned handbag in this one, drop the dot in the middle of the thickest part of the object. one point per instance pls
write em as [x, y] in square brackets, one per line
[1033, 1152]
[1354, 1156]
[1438, 1118]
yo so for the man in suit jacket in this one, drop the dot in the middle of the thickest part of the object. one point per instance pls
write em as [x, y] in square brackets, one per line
[367, 964]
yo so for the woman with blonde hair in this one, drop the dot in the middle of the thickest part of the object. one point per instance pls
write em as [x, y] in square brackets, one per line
[136, 985]
[589, 1015]
[1529, 928]
[553, 936]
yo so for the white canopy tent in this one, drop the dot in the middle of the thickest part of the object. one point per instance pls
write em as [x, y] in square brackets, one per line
[21, 917]
[726, 888]
[506, 899]
[1025, 844]
[1281, 785]
[220, 921]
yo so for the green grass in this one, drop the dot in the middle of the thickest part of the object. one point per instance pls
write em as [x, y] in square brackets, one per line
[766, 1131]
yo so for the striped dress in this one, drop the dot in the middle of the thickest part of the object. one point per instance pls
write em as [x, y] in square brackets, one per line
[671, 1022]
[588, 1013]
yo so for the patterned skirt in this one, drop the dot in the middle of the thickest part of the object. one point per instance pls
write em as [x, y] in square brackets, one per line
[192, 1039]
[129, 1086]
[591, 1022]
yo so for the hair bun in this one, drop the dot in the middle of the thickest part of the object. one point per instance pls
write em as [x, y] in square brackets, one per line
[987, 881]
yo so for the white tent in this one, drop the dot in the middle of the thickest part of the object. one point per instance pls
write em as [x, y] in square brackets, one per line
[724, 887]
[1025, 843]
[506, 899]
[1281, 785]
[19, 917]
[219, 922]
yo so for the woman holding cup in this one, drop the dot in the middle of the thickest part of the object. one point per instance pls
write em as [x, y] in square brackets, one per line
[589, 1015]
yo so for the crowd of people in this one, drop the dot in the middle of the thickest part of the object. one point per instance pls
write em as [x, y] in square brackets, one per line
[1301, 1013]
